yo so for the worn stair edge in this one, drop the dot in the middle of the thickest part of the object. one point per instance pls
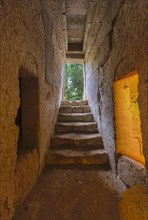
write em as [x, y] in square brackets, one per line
[75, 117]
[74, 103]
[75, 157]
[78, 127]
[74, 109]
[72, 140]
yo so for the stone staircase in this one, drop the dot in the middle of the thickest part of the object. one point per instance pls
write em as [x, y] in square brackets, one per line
[76, 139]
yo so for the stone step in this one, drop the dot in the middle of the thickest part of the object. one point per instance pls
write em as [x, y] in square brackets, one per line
[75, 117]
[94, 157]
[78, 127]
[74, 103]
[74, 109]
[75, 140]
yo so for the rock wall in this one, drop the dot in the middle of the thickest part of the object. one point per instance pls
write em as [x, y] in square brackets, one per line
[131, 172]
[133, 203]
[116, 48]
[24, 37]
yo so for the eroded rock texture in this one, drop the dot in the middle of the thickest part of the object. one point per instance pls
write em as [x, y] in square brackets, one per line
[131, 172]
[116, 46]
[26, 51]
[133, 203]
[32, 47]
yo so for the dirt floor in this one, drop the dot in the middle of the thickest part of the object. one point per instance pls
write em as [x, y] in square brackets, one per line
[72, 193]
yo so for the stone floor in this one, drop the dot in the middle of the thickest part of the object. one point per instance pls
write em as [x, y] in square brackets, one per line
[73, 193]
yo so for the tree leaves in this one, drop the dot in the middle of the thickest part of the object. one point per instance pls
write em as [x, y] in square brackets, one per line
[73, 83]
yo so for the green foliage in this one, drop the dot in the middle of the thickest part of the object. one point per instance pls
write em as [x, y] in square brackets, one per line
[73, 85]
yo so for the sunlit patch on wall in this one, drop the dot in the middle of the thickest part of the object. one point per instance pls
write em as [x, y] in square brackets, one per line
[127, 117]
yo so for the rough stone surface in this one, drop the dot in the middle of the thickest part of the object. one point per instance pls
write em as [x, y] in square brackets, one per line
[76, 127]
[115, 45]
[62, 193]
[131, 172]
[23, 40]
[75, 117]
[115, 48]
[24, 182]
[76, 142]
[74, 103]
[128, 141]
[86, 109]
[134, 203]
[69, 109]
[73, 140]
[74, 109]
[94, 157]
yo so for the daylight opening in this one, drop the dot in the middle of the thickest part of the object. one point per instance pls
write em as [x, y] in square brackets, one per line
[73, 82]
[127, 117]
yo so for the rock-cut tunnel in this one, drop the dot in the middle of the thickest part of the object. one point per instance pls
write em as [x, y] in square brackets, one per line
[73, 160]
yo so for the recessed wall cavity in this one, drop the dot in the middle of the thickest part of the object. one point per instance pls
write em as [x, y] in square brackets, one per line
[28, 114]
[1, 3]
[127, 117]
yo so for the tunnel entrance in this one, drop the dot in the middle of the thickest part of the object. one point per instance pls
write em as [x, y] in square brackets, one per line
[28, 114]
[73, 82]
[127, 117]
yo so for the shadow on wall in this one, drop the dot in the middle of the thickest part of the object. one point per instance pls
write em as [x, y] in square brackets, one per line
[27, 118]
[28, 113]
[1, 3]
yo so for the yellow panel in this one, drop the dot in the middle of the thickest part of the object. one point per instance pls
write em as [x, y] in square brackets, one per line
[127, 117]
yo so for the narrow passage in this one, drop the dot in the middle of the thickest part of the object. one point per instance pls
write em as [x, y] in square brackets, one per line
[72, 193]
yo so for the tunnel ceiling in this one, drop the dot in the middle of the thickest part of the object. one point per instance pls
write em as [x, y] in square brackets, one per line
[72, 19]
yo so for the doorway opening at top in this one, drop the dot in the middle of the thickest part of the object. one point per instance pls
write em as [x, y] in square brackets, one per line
[73, 82]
